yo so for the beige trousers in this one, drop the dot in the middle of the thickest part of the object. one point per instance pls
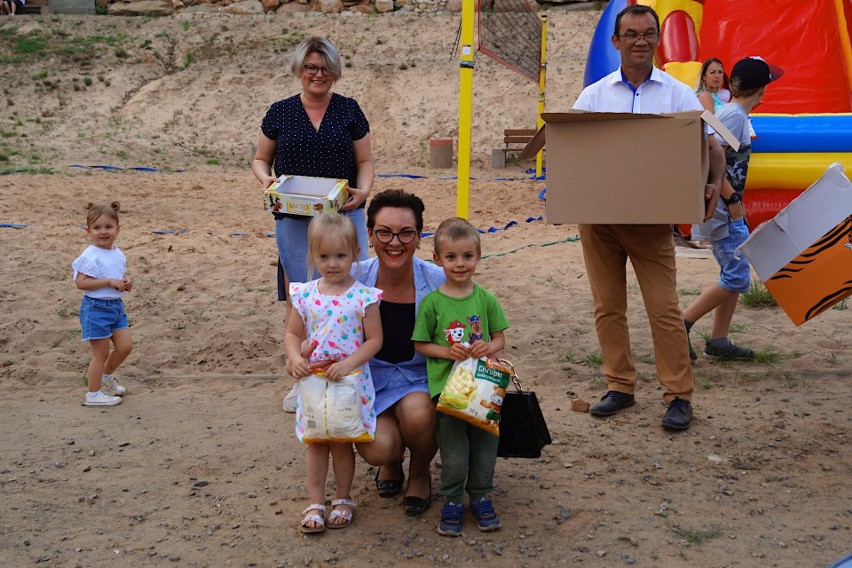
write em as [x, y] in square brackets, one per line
[650, 249]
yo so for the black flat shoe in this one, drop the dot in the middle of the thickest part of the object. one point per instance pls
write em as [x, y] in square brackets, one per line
[388, 488]
[414, 506]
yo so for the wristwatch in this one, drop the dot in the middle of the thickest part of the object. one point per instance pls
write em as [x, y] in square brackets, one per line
[735, 198]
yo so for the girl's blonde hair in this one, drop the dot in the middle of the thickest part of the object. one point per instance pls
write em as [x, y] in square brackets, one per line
[330, 225]
[94, 212]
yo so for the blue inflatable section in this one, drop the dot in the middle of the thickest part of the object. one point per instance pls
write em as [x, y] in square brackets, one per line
[603, 59]
[802, 133]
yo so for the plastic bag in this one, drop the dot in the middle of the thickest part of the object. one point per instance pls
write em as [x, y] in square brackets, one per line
[474, 392]
[334, 411]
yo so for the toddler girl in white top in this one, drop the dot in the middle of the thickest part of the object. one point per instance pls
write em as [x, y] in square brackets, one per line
[338, 319]
[100, 271]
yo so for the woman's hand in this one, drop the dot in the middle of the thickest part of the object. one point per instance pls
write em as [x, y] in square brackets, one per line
[356, 198]
[366, 173]
[261, 167]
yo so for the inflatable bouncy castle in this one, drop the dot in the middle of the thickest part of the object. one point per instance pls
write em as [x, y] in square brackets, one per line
[805, 121]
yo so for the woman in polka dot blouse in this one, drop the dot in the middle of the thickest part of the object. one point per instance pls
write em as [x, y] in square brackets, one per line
[320, 134]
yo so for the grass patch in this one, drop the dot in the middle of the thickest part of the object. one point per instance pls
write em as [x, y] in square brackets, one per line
[592, 359]
[757, 296]
[695, 536]
[841, 306]
[689, 291]
[767, 357]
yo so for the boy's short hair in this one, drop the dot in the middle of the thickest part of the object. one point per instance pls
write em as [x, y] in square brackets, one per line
[453, 229]
[738, 91]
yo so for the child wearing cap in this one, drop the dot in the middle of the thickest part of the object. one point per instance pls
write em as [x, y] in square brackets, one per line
[727, 228]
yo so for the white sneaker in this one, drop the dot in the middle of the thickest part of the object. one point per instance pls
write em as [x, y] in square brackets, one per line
[291, 399]
[110, 386]
[101, 399]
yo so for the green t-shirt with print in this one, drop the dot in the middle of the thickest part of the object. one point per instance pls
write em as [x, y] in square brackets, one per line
[444, 320]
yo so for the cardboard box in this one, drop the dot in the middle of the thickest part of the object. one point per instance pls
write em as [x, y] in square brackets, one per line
[309, 196]
[804, 254]
[606, 167]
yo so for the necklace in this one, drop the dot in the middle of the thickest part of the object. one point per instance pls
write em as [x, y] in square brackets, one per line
[401, 292]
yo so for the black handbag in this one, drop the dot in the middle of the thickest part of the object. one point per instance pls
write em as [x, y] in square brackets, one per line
[523, 431]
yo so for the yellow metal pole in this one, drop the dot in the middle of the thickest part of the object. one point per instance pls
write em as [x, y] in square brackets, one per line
[465, 108]
[542, 81]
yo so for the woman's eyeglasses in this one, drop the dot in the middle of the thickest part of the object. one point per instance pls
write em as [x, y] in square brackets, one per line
[405, 237]
[312, 69]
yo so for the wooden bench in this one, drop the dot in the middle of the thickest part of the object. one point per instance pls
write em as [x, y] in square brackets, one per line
[514, 140]
[35, 7]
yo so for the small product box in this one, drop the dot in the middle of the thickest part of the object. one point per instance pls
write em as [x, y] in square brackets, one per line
[308, 196]
[610, 167]
[804, 254]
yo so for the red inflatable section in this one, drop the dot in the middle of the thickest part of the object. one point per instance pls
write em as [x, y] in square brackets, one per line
[803, 37]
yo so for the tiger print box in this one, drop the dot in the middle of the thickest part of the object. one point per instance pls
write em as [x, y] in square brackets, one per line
[804, 254]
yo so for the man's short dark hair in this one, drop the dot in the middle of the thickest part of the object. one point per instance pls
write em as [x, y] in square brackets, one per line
[636, 10]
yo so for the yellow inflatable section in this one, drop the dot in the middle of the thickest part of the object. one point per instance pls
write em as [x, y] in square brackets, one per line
[779, 170]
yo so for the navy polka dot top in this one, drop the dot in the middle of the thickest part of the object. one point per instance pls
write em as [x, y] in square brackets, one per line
[303, 151]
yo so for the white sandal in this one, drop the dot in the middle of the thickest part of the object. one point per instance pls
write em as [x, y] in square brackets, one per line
[318, 520]
[346, 515]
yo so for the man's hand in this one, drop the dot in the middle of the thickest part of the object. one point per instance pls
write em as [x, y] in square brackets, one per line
[711, 199]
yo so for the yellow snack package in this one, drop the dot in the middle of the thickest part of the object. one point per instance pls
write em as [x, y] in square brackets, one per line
[474, 392]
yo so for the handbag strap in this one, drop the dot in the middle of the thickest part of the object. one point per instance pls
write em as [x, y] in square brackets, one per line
[514, 375]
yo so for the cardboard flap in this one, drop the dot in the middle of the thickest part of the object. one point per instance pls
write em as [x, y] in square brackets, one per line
[799, 225]
[717, 125]
[535, 145]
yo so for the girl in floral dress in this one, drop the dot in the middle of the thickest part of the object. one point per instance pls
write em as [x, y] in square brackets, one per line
[339, 322]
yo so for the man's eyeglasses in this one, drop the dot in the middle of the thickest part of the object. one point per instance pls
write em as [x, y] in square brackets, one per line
[312, 69]
[405, 237]
[633, 36]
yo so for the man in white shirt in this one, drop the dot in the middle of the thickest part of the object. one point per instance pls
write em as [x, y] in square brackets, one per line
[638, 87]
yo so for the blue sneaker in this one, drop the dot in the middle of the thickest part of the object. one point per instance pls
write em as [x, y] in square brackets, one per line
[450, 523]
[483, 512]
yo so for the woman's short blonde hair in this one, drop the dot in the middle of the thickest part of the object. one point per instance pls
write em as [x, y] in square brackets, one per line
[322, 46]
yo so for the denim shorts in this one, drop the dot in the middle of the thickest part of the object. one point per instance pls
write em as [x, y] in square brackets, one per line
[100, 317]
[735, 275]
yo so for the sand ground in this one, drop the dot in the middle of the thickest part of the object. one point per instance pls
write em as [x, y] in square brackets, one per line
[200, 467]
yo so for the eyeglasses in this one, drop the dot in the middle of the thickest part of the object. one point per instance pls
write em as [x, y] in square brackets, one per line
[312, 69]
[405, 237]
[650, 37]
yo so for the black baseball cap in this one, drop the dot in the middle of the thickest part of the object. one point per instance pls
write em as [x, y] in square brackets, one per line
[754, 72]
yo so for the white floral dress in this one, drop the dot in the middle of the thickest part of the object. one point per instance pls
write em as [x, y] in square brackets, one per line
[333, 325]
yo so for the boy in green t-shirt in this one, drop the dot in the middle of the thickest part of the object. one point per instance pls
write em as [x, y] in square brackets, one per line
[460, 320]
